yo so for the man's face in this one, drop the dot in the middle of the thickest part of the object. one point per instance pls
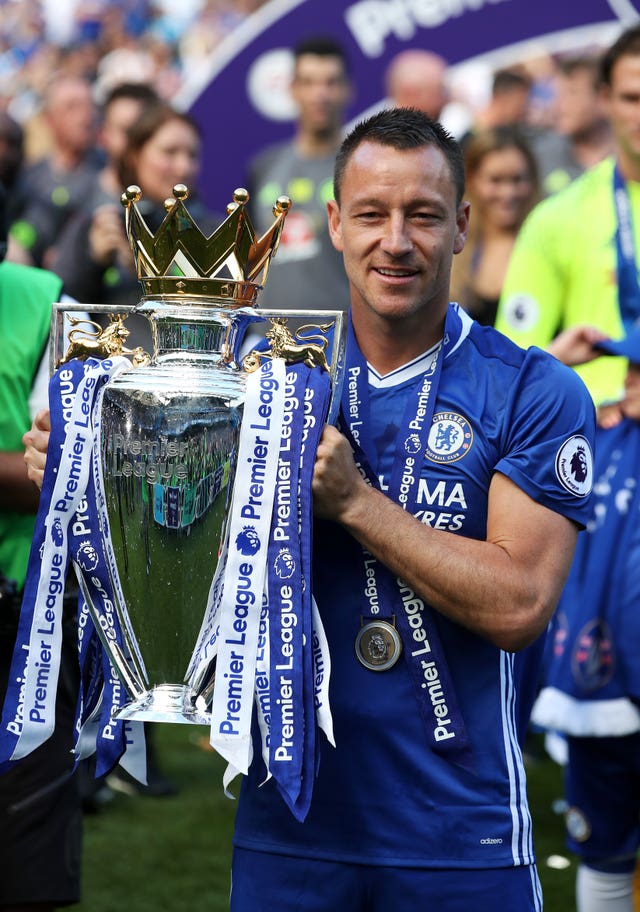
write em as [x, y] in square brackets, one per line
[623, 98]
[419, 83]
[72, 115]
[321, 91]
[398, 228]
[578, 103]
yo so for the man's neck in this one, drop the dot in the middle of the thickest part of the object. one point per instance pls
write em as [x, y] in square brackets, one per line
[66, 159]
[388, 346]
[317, 145]
[592, 146]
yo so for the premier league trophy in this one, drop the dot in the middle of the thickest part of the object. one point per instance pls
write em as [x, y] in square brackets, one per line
[178, 485]
[168, 440]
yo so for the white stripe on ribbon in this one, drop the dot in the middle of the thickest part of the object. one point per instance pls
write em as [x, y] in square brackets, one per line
[321, 674]
[243, 584]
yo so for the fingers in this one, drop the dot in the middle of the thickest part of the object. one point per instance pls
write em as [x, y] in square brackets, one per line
[575, 345]
[107, 235]
[336, 478]
[42, 421]
[36, 442]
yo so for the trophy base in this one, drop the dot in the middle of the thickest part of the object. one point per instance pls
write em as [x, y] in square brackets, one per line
[166, 703]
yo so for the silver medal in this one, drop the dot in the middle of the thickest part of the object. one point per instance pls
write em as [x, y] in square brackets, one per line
[378, 645]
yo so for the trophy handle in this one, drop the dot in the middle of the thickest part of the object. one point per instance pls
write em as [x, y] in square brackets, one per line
[132, 677]
[289, 343]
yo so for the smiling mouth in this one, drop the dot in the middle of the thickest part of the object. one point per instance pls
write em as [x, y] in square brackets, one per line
[395, 273]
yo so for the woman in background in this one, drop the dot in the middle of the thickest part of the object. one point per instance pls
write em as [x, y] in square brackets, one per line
[163, 148]
[502, 186]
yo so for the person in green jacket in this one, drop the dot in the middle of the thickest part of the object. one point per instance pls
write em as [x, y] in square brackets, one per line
[40, 807]
[575, 259]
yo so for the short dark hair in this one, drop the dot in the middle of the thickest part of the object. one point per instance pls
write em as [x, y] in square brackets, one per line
[628, 43]
[578, 63]
[321, 46]
[136, 91]
[509, 79]
[402, 129]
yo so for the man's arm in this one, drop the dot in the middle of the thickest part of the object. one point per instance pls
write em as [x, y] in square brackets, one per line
[533, 295]
[505, 589]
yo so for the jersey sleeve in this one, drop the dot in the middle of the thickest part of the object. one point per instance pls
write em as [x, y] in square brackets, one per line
[530, 308]
[548, 436]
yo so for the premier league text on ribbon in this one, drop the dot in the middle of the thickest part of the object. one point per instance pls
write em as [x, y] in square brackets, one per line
[244, 600]
[284, 526]
[413, 608]
[78, 447]
[353, 372]
[245, 596]
[46, 628]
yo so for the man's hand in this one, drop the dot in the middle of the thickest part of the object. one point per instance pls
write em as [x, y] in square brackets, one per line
[337, 483]
[36, 442]
[107, 239]
[574, 346]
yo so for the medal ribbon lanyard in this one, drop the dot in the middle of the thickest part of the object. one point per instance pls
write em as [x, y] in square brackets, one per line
[627, 269]
[423, 651]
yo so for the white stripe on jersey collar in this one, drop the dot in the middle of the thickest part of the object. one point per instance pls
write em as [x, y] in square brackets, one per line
[420, 364]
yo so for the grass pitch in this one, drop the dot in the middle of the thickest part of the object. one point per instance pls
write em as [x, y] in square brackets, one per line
[174, 853]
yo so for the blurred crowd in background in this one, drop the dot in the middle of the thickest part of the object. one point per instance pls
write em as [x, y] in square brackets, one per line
[63, 133]
[107, 41]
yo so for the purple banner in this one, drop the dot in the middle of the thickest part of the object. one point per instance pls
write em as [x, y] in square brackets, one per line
[241, 101]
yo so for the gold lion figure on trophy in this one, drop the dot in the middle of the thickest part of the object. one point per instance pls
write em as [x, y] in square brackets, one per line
[102, 343]
[284, 345]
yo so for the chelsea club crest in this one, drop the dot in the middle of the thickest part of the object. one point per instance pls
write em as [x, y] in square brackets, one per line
[450, 437]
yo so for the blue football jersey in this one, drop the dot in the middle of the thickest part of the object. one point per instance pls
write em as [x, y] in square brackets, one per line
[383, 796]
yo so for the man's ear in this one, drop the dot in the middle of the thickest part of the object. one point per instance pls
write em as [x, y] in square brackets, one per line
[462, 221]
[335, 224]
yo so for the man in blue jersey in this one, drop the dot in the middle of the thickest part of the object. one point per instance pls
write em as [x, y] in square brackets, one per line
[447, 514]
[440, 556]
[592, 675]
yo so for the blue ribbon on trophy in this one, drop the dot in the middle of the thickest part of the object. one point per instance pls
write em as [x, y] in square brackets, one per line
[61, 532]
[264, 634]
[292, 622]
[284, 600]
[116, 740]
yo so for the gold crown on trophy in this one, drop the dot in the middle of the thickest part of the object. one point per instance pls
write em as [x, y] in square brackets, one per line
[179, 260]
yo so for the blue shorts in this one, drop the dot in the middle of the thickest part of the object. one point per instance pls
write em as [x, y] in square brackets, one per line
[603, 794]
[264, 882]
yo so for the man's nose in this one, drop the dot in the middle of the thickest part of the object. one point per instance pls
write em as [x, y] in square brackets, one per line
[396, 240]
